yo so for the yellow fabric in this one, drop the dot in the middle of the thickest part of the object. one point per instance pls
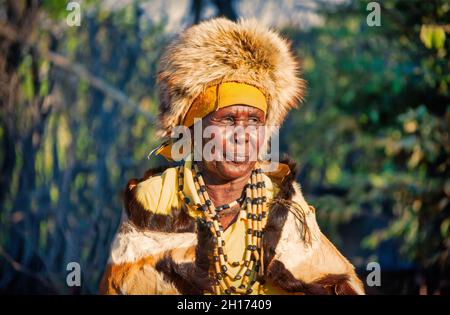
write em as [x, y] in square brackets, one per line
[223, 95]
[159, 194]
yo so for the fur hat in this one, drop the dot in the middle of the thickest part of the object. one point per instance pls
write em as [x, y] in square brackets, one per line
[217, 51]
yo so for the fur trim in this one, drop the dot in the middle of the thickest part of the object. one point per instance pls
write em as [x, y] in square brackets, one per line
[316, 261]
[333, 284]
[132, 243]
[135, 260]
[220, 50]
[278, 212]
[193, 277]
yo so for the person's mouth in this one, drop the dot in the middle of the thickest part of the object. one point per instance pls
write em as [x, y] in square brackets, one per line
[239, 159]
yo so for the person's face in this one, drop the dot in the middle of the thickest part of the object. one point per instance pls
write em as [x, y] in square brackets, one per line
[238, 133]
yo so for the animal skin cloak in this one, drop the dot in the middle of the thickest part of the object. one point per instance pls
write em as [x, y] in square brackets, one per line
[168, 254]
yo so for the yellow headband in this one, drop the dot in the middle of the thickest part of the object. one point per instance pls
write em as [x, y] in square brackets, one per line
[223, 95]
[216, 97]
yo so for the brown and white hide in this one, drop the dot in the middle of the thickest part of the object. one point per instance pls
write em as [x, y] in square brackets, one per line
[156, 254]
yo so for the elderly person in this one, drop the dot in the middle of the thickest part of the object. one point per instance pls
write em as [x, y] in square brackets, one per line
[217, 225]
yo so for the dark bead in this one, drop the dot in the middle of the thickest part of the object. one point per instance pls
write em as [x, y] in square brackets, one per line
[223, 243]
[248, 273]
[202, 189]
[224, 268]
[249, 291]
[216, 217]
[201, 222]
[259, 201]
[187, 200]
[237, 277]
[226, 206]
[220, 250]
[225, 257]
[260, 217]
[235, 264]
[254, 217]
[252, 186]
[180, 187]
[203, 208]
[249, 231]
[218, 233]
[248, 199]
[250, 247]
[219, 276]
[216, 258]
[220, 208]
[242, 286]
[208, 202]
[227, 291]
[233, 289]
[209, 224]
[249, 216]
[246, 263]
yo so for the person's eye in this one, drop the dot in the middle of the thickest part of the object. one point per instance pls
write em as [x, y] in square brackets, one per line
[253, 120]
[228, 120]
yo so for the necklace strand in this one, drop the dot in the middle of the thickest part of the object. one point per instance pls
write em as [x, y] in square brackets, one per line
[254, 212]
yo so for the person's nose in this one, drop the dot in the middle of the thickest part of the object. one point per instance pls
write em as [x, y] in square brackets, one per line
[241, 135]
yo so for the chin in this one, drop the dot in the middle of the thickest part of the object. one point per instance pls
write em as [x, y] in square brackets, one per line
[233, 170]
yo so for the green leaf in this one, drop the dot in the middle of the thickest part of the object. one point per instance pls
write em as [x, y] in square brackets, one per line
[432, 36]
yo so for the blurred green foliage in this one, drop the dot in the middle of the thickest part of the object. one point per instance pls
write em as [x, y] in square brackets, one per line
[66, 205]
[373, 135]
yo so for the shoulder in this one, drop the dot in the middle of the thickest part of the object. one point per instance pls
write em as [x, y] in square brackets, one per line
[283, 179]
[152, 194]
[151, 191]
[315, 259]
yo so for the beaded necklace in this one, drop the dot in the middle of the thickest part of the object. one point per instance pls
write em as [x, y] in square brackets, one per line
[254, 212]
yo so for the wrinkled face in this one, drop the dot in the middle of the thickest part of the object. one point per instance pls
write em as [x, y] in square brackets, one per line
[238, 135]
